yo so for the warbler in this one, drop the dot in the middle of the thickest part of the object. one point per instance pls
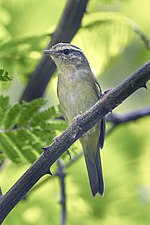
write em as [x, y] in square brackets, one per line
[78, 90]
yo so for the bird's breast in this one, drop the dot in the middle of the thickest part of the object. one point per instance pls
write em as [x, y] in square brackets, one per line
[76, 95]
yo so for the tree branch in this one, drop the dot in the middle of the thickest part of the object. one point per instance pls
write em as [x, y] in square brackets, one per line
[68, 26]
[117, 119]
[81, 124]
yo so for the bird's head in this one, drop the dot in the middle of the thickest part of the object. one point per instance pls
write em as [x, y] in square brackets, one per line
[67, 55]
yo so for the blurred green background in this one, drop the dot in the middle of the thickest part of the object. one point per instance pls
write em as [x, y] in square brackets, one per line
[109, 39]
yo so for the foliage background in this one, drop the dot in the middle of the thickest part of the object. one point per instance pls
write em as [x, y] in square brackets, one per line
[114, 51]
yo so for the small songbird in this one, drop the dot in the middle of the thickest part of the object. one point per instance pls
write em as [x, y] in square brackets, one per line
[78, 90]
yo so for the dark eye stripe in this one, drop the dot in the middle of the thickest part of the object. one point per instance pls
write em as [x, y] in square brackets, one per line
[67, 51]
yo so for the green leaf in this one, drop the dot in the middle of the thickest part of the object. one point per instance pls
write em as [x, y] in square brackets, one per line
[28, 111]
[26, 128]
[4, 76]
[21, 46]
[4, 105]
[26, 52]
[56, 125]
[24, 146]
[48, 114]
[12, 116]
[2, 157]
[4, 102]
[30, 139]
[9, 148]
[111, 33]
[118, 18]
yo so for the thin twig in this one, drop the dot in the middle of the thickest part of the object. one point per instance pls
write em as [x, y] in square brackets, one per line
[117, 119]
[68, 164]
[81, 125]
[61, 174]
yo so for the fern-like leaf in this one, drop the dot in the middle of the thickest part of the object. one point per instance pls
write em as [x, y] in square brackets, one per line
[25, 128]
[29, 110]
[12, 116]
[25, 147]
[4, 102]
[9, 148]
[4, 75]
[48, 114]
[4, 105]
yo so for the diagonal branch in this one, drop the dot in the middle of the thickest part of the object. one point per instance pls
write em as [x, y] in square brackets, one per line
[81, 124]
[115, 119]
[68, 26]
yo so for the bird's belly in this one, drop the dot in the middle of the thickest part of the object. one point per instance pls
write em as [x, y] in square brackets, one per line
[75, 99]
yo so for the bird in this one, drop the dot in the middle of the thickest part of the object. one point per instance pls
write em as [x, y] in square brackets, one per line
[78, 90]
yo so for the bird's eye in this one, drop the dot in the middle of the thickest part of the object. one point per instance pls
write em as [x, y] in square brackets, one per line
[66, 51]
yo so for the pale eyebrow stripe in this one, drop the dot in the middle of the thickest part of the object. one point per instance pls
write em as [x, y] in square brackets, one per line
[62, 46]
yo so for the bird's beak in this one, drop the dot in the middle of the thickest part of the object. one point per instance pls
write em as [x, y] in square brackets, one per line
[49, 52]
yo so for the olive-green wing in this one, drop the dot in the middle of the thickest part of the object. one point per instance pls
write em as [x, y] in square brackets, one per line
[98, 90]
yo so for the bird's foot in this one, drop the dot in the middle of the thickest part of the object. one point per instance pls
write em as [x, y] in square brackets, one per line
[106, 92]
[78, 116]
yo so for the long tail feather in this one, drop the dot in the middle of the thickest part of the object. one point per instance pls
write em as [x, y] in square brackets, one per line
[94, 171]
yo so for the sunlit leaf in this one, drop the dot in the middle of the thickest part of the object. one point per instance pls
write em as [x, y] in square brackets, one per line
[103, 36]
[22, 53]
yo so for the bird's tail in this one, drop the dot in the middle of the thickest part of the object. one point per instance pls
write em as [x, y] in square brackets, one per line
[93, 163]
